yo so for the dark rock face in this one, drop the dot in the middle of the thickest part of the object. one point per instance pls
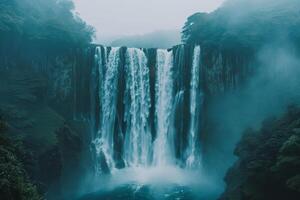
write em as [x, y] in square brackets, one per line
[221, 72]
[47, 98]
[224, 71]
[51, 162]
[183, 58]
[70, 147]
[151, 55]
[269, 162]
[37, 102]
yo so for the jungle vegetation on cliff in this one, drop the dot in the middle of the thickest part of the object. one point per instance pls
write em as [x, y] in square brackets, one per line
[51, 22]
[244, 23]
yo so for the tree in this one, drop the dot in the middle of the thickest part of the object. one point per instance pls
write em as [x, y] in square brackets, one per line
[43, 21]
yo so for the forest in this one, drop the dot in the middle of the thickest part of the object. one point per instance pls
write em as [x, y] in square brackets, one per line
[83, 121]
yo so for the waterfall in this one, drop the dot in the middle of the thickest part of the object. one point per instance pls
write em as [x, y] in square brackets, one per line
[99, 67]
[193, 154]
[137, 147]
[164, 152]
[122, 103]
[104, 143]
[93, 88]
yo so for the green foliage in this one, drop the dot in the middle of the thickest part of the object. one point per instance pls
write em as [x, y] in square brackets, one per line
[268, 165]
[3, 125]
[43, 21]
[245, 23]
[14, 183]
[193, 25]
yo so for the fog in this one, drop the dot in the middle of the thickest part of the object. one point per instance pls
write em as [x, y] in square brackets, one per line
[274, 87]
[157, 39]
[116, 18]
[240, 11]
[155, 183]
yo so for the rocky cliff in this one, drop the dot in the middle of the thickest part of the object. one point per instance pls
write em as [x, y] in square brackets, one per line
[37, 103]
[220, 73]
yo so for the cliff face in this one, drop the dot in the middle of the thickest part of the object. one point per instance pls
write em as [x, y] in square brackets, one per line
[268, 164]
[49, 100]
[220, 73]
[225, 72]
[36, 101]
[37, 57]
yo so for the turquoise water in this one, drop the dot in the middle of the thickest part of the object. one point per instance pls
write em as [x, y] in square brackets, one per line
[135, 192]
[166, 183]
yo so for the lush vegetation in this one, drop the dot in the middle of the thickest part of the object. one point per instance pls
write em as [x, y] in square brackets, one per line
[269, 161]
[14, 182]
[244, 23]
[47, 22]
[39, 40]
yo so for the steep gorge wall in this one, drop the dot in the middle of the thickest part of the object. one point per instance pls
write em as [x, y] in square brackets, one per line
[37, 102]
[220, 73]
[51, 90]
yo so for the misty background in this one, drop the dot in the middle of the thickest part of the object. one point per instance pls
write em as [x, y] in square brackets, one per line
[38, 66]
[140, 23]
[263, 25]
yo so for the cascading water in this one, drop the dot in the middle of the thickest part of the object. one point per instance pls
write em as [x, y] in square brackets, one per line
[104, 143]
[100, 62]
[137, 145]
[125, 137]
[164, 143]
[192, 152]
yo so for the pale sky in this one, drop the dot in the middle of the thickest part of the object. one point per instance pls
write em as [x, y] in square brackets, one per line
[131, 17]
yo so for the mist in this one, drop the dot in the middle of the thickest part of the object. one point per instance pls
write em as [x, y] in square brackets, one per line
[114, 19]
[149, 99]
[266, 26]
[240, 12]
[157, 39]
[274, 86]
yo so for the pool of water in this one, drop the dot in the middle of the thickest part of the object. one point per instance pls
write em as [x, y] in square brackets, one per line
[167, 183]
[136, 192]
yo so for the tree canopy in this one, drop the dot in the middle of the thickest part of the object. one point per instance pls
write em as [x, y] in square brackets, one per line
[51, 21]
[246, 23]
